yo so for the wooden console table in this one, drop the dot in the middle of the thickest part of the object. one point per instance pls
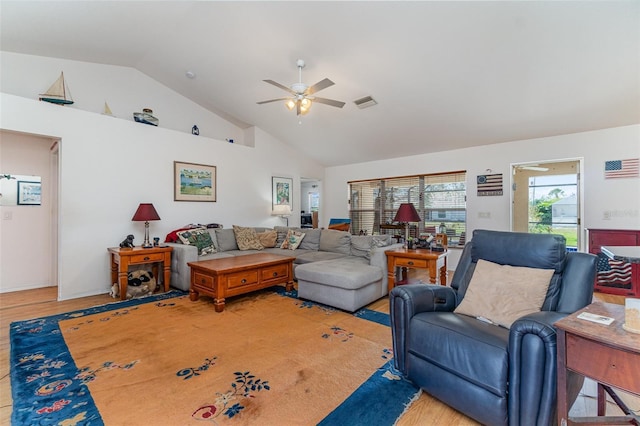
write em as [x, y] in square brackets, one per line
[122, 258]
[605, 353]
[232, 276]
[416, 258]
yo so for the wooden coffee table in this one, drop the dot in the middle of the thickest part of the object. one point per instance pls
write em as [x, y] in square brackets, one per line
[232, 276]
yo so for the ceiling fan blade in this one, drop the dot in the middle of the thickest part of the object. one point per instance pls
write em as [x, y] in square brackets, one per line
[272, 100]
[331, 102]
[319, 86]
[282, 86]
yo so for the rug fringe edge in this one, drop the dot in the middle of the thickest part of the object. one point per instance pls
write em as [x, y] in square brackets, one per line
[408, 405]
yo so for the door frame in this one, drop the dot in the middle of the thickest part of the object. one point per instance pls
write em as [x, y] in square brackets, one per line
[581, 231]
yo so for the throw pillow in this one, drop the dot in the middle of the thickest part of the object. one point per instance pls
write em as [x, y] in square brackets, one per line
[200, 238]
[282, 234]
[504, 293]
[293, 240]
[268, 238]
[246, 238]
[381, 240]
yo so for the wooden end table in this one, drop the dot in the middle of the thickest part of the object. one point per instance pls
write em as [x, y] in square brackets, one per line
[607, 354]
[403, 258]
[232, 276]
[122, 258]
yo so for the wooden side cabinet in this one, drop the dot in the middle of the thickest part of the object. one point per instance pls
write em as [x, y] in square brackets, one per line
[122, 258]
[615, 277]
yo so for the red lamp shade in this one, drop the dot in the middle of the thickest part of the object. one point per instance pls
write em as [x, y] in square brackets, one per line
[145, 213]
[407, 213]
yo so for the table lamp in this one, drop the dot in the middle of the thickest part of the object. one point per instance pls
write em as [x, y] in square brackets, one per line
[282, 210]
[406, 213]
[145, 213]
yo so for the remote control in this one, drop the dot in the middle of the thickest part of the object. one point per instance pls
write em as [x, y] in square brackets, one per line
[595, 318]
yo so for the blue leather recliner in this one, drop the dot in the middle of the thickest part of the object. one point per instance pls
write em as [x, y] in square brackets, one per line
[497, 376]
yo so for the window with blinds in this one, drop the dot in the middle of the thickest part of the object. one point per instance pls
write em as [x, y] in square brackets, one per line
[440, 200]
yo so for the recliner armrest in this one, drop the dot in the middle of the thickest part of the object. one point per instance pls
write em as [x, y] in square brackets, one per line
[532, 368]
[423, 298]
[406, 301]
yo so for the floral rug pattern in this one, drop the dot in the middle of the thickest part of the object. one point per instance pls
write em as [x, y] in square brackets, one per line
[48, 388]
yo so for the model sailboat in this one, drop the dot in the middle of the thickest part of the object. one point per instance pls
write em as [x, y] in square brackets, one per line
[58, 93]
[107, 110]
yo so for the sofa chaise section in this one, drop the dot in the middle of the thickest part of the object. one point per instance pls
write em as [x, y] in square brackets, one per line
[332, 267]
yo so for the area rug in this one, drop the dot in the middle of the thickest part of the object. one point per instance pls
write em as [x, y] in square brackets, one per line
[268, 359]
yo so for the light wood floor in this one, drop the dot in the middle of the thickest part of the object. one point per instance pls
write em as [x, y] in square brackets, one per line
[42, 302]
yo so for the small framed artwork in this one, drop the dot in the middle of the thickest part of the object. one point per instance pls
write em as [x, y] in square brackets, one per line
[282, 190]
[194, 182]
[29, 193]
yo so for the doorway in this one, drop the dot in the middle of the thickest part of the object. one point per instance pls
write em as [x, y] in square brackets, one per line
[547, 199]
[28, 211]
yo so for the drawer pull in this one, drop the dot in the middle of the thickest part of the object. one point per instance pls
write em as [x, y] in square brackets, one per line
[146, 258]
[244, 280]
[203, 281]
[410, 263]
[275, 274]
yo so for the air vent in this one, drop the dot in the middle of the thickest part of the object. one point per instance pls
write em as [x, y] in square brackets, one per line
[365, 102]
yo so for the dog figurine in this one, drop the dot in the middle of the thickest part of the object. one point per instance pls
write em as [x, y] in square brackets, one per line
[128, 242]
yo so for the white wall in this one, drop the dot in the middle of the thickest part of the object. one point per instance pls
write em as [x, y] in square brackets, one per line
[125, 89]
[109, 165]
[620, 197]
[26, 230]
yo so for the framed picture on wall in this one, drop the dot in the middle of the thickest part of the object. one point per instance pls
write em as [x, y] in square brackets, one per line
[282, 190]
[29, 193]
[194, 182]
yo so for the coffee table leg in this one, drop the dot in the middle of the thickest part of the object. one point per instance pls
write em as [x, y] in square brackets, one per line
[218, 304]
[288, 286]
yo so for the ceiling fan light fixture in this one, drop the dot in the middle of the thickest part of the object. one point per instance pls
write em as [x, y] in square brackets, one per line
[299, 87]
[303, 96]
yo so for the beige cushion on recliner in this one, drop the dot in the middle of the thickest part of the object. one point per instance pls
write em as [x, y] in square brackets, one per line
[504, 293]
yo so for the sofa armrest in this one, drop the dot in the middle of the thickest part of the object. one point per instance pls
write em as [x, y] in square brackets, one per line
[408, 300]
[533, 369]
[180, 271]
[379, 259]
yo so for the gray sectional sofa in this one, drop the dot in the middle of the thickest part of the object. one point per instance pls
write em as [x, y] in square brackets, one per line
[332, 267]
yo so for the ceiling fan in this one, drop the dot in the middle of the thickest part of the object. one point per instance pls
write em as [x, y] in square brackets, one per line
[302, 95]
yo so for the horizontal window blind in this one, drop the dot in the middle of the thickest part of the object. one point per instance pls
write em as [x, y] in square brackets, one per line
[440, 199]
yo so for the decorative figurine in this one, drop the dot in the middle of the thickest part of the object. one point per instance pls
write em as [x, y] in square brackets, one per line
[146, 117]
[128, 242]
[195, 130]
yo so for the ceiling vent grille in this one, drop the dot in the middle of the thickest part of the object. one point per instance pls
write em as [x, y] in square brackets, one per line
[365, 102]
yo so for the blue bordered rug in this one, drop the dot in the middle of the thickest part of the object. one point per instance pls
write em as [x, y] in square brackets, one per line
[45, 387]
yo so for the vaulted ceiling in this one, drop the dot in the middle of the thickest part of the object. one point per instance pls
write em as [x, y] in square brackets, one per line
[446, 75]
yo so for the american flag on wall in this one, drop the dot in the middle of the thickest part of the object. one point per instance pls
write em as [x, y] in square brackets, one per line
[613, 273]
[622, 168]
[489, 185]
